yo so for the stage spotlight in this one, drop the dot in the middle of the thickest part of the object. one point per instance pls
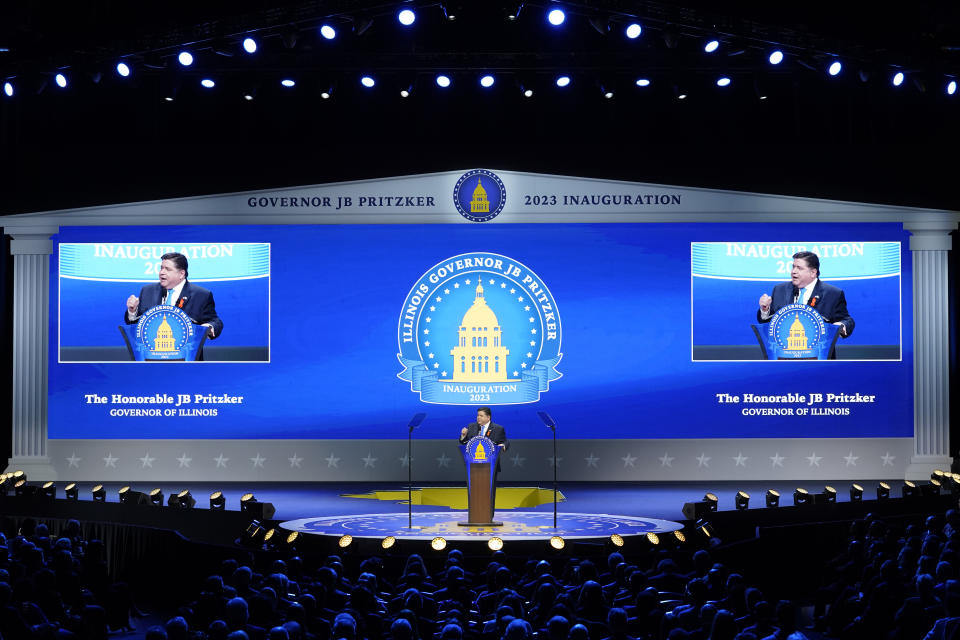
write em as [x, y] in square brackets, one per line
[61, 80]
[208, 83]
[712, 500]
[99, 493]
[123, 492]
[328, 32]
[72, 491]
[633, 31]
[696, 510]
[4, 485]
[856, 493]
[270, 538]
[653, 538]
[123, 69]
[20, 489]
[132, 497]
[8, 89]
[909, 490]
[679, 536]
[829, 495]
[49, 490]
[616, 540]
[834, 68]
[288, 83]
[388, 542]
[706, 528]
[495, 543]
[528, 93]
[937, 474]
[249, 45]
[742, 500]
[217, 501]
[711, 45]
[607, 93]
[883, 491]
[643, 82]
[563, 81]
[449, 15]
[345, 541]
[775, 57]
[406, 17]
[368, 82]
[185, 500]
[931, 489]
[443, 81]
[292, 539]
[773, 498]
[951, 88]
[404, 93]
[801, 497]
[249, 95]
[253, 535]
[486, 81]
[897, 79]
[185, 58]
[556, 17]
[18, 475]
[557, 543]
[723, 82]
[156, 497]
[438, 544]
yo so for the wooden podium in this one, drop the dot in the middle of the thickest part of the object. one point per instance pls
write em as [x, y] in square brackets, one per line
[480, 456]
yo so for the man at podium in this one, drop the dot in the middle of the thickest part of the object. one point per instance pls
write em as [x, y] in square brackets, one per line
[483, 427]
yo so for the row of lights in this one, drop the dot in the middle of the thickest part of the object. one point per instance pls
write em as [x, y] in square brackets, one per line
[555, 17]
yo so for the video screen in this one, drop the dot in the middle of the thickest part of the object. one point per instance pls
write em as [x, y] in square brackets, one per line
[639, 331]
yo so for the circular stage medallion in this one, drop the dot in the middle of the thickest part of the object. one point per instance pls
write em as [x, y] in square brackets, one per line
[522, 525]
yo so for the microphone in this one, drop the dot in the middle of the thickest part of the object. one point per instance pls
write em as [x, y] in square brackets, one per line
[796, 294]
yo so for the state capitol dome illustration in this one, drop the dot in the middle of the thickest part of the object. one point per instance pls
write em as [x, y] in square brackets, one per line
[480, 355]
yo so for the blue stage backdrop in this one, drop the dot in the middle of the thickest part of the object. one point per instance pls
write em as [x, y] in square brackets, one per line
[600, 324]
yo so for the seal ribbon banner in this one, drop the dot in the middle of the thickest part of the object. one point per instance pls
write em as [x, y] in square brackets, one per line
[479, 327]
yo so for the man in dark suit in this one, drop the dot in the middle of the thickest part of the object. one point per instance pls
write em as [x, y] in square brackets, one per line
[483, 427]
[174, 289]
[805, 287]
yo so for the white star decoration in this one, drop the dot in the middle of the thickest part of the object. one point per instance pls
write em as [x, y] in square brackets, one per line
[295, 460]
[512, 291]
[628, 461]
[777, 460]
[74, 460]
[703, 460]
[221, 461]
[404, 461]
[517, 460]
[888, 459]
[814, 459]
[184, 461]
[666, 460]
[110, 461]
[592, 461]
[369, 461]
[332, 461]
[146, 461]
[851, 459]
[740, 460]
[258, 461]
[443, 461]
[529, 355]
[551, 462]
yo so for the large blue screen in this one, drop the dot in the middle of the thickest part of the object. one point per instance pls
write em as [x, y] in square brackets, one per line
[598, 324]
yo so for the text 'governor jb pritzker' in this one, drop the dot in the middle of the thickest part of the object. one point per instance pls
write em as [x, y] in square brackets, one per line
[806, 287]
[174, 289]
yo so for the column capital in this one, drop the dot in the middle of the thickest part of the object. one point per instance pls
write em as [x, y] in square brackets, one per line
[31, 238]
[931, 231]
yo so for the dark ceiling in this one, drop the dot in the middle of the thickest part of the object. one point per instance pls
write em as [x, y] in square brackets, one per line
[786, 129]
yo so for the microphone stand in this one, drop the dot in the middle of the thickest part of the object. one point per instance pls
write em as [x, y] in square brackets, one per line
[548, 421]
[414, 423]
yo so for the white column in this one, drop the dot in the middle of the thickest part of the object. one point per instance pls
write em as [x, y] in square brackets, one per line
[31, 248]
[929, 245]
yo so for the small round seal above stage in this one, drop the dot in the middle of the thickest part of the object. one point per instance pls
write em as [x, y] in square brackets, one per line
[521, 525]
